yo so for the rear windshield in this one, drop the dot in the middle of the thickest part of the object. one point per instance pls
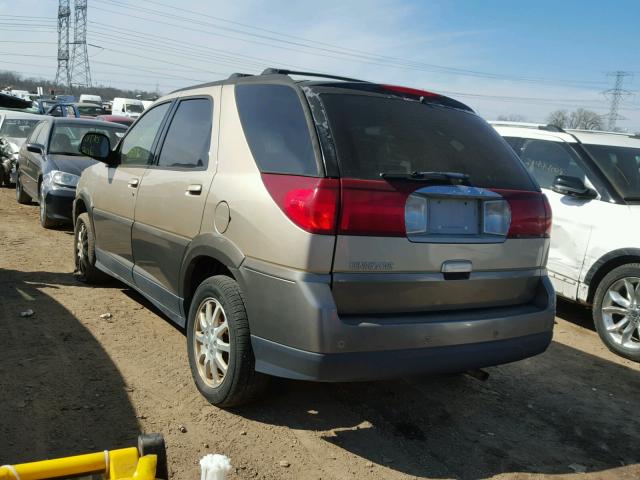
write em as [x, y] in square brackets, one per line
[375, 135]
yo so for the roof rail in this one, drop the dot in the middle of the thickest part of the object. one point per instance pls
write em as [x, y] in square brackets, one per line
[538, 126]
[239, 75]
[281, 71]
[551, 128]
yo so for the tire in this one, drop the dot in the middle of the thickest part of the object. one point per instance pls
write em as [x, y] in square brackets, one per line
[616, 311]
[241, 383]
[45, 221]
[84, 238]
[22, 197]
[153, 444]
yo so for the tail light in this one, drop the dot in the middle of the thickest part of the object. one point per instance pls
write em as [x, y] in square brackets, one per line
[309, 202]
[378, 208]
[530, 213]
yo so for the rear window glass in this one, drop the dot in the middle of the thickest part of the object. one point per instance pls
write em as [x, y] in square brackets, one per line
[276, 129]
[375, 135]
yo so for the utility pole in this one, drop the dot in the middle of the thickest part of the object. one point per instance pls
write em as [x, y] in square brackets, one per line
[616, 94]
[80, 71]
[63, 75]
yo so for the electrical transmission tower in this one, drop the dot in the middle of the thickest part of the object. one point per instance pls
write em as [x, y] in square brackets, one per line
[616, 94]
[63, 75]
[80, 71]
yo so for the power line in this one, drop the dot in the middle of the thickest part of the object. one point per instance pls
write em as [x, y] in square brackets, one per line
[63, 74]
[616, 94]
[80, 69]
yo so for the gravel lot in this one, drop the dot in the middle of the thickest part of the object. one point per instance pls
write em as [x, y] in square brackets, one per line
[73, 382]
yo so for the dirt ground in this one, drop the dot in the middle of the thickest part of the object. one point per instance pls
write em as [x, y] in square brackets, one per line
[72, 382]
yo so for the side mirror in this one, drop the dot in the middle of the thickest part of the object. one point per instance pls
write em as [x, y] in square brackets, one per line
[97, 145]
[35, 148]
[572, 186]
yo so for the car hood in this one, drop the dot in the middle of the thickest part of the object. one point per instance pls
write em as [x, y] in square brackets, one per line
[69, 163]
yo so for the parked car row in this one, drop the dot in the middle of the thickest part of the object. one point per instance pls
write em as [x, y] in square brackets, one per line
[339, 230]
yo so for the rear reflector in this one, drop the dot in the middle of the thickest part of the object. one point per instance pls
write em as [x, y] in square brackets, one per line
[309, 202]
[530, 213]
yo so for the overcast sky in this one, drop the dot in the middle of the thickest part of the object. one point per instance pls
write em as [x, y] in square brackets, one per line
[500, 57]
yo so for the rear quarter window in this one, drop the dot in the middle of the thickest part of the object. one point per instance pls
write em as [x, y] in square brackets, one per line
[276, 129]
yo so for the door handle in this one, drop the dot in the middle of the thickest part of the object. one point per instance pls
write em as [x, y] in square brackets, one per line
[194, 190]
[133, 183]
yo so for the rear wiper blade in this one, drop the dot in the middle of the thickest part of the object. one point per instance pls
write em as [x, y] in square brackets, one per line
[454, 178]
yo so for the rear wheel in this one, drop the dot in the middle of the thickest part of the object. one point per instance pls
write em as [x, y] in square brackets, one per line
[45, 221]
[616, 311]
[84, 251]
[219, 344]
[21, 196]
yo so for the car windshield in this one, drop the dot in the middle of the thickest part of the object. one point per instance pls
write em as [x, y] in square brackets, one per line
[17, 127]
[621, 165]
[65, 139]
[92, 110]
[375, 135]
[133, 108]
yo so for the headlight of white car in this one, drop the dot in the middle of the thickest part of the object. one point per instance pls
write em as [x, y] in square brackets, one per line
[63, 179]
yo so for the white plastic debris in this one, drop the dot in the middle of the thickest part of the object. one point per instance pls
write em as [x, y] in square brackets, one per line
[214, 467]
[27, 313]
[106, 316]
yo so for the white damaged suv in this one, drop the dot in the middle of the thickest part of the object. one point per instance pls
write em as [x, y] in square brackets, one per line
[592, 180]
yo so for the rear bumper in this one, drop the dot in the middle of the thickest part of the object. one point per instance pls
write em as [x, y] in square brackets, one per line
[282, 361]
[298, 333]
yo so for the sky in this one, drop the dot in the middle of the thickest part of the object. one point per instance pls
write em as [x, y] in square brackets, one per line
[499, 57]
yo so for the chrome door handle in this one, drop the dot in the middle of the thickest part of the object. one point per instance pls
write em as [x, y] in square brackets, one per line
[194, 190]
[133, 183]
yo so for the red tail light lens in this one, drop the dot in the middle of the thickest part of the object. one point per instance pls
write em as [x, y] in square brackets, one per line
[373, 207]
[530, 213]
[409, 91]
[309, 202]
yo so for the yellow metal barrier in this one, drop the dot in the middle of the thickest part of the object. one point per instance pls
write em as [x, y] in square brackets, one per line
[146, 462]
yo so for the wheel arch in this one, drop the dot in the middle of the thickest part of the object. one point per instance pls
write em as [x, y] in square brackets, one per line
[207, 255]
[605, 264]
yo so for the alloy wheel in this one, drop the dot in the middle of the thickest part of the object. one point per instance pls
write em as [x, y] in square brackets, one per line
[82, 247]
[621, 312]
[211, 342]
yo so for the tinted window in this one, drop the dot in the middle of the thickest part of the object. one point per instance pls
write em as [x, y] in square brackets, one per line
[546, 160]
[276, 129]
[621, 165]
[136, 146]
[17, 127]
[375, 135]
[43, 134]
[66, 138]
[187, 142]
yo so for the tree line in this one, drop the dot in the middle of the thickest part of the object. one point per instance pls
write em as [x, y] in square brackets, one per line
[15, 81]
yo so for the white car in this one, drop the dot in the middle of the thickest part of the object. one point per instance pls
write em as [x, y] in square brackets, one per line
[592, 180]
[15, 127]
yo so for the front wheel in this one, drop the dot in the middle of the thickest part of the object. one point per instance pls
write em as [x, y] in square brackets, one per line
[219, 344]
[21, 196]
[45, 221]
[616, 311]
[84, 251]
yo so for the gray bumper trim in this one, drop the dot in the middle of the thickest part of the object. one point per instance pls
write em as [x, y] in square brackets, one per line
[282, 361]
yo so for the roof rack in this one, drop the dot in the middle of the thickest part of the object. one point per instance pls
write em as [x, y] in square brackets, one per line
[538, 126]
[239, 75]
[281, 71]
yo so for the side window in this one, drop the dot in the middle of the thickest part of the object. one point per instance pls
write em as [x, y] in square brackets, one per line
[189, 136]
[545, 160]
[276, 129]
[136, 146]
[34, 134]
[43, 134]
[56, 111]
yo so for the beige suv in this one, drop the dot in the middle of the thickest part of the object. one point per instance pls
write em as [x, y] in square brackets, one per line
[328, 229]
